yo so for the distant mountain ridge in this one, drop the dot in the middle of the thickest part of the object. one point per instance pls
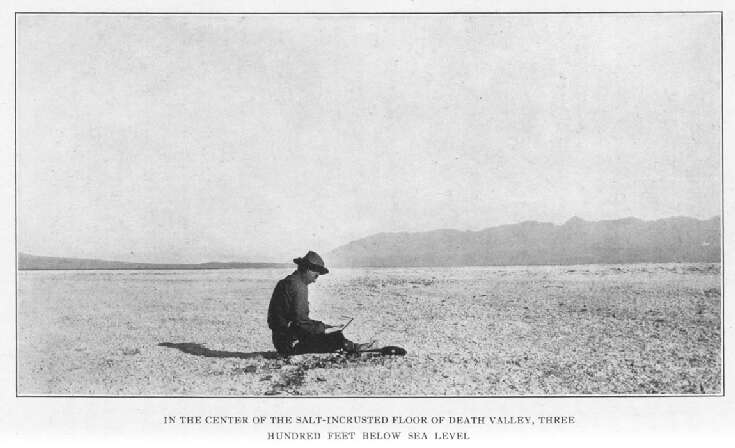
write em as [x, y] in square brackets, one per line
[627, 240]
[28, 262]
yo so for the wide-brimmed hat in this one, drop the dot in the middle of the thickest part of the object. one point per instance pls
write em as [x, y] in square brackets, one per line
[313, 262]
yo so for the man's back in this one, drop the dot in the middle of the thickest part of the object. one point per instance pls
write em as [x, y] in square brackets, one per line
[289, 303]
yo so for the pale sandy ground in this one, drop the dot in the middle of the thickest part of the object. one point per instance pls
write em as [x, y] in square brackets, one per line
[619, 329]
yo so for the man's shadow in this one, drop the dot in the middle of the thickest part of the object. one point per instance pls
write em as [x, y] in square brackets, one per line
[192, 348]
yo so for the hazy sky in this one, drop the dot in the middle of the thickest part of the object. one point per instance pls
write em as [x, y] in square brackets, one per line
[196, 138]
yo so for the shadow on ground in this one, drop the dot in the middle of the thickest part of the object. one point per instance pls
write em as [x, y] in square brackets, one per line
[192, 348]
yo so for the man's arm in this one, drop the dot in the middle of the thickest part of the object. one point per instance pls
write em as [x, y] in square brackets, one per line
[290, 302]
[308, 327]
[302, 325]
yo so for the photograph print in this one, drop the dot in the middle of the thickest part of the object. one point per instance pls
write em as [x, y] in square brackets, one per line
[368, 205]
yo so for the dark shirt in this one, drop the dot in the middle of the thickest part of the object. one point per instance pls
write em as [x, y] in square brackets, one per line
[289, 303]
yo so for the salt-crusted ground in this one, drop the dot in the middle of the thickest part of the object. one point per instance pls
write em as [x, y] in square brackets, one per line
[618, 329]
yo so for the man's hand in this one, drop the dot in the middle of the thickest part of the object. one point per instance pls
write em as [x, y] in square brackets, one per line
[333, 328]
[340, 327]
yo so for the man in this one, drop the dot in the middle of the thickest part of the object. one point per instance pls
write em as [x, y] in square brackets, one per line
[288, 314]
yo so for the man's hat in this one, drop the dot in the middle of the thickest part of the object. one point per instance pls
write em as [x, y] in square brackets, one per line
[313, 262]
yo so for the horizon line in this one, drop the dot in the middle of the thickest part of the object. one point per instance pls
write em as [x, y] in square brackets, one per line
[200, 265]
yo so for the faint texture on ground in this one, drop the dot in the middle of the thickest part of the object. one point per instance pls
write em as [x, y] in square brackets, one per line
[479, 331]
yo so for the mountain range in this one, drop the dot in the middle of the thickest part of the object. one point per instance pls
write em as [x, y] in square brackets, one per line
[628, 240]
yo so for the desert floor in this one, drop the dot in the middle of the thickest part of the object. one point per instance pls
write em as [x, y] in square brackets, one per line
[476, 331]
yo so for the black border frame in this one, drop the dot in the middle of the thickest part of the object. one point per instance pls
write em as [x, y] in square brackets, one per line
[351, 13]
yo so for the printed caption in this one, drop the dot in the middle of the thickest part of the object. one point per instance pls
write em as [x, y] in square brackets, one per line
[370, 427]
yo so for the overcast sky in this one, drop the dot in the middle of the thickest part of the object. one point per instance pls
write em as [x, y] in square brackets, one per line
[197, 138]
